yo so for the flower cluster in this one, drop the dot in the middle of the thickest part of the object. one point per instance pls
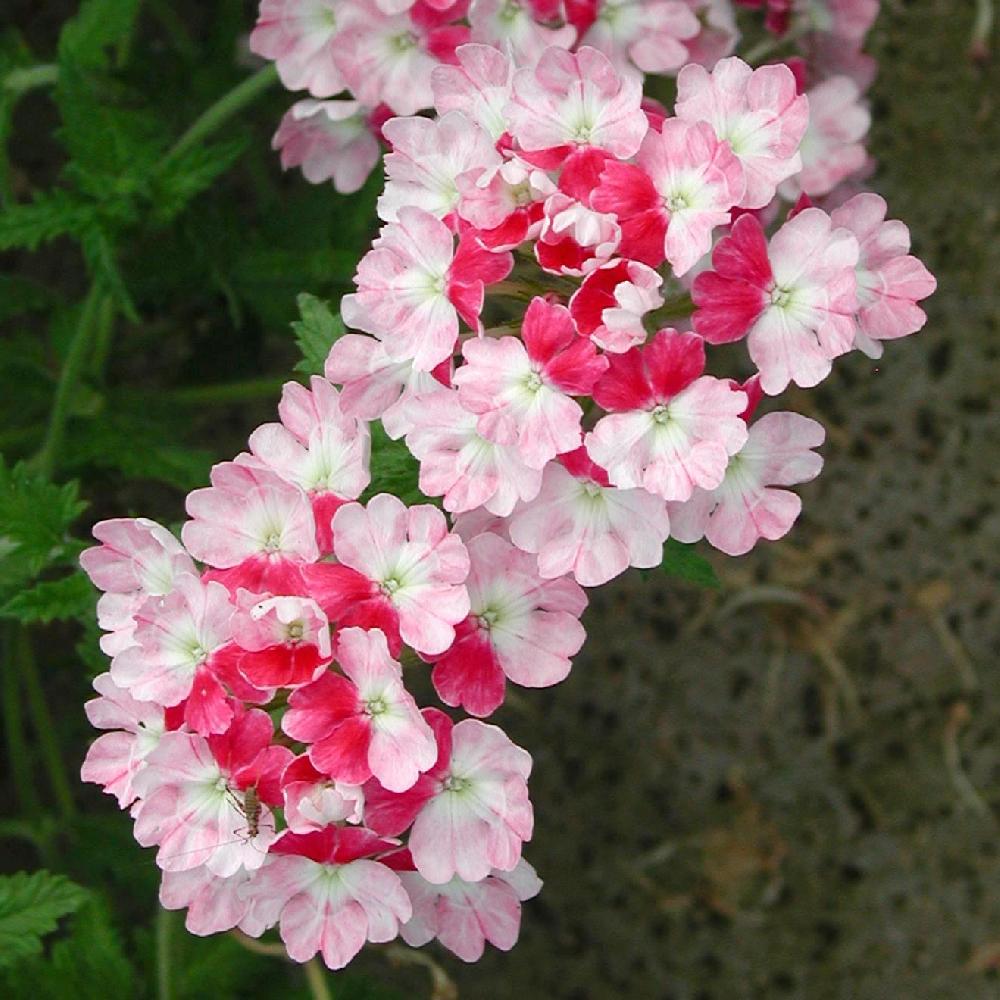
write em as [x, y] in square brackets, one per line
[537, 320]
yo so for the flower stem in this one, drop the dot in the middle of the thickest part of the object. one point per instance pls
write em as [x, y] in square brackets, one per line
[222, 110]
[45, 731]
[982, 29]
[677, 308]
[316, 979]
[19, 81]
[76, 357]
[13, 724]
[164, 986]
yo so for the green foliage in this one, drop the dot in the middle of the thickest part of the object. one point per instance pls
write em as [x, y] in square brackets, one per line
[685, 562]
[35, 516]
[394, 469]
[88, 965]
[30, 907]
[54, 213]
[318, 330]
[187, 175]
[71, 597]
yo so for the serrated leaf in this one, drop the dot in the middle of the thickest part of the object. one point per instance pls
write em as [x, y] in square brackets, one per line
[394, 470]
[190, 174]
[88, 965]
[30, 906]
[97, 25]
[685, 561]
[315, 333]
[71, 597]
[34, 517]
[112, 147]
[52, 214]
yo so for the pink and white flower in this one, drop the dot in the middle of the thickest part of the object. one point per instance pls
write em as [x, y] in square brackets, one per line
[328, 895]
[794, 299]
[520, 628]
[427, 159]
[116, 757]
[757, 111]
[609, 305]
[301, 37]
[669, 428]
[575, 100]
[580, 524]
[461, 465]
[640, 34]
[717, 34]
[137, 559]
[318, 448]
[890, 280]
[684, 184]
[399, 569]
[470, 813]
[506, 206]
[746, 506]
[462, 915]
[312, 801]
[193, 797]
[479, 86]
[388, 59]
[832, 147]
[176, 642]
[412, 286]
[376, 386]
[214, 904]
[521, 388]
[364, 723]
[574, 239]
[285, 641]
[329, 140]
[510, 25]
[253, 526]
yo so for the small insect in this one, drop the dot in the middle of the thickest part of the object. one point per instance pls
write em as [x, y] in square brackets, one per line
[250, 807]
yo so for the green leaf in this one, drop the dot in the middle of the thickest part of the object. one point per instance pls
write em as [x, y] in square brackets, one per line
[192, 173]
[30, 906]
[71, 597]
[394, 469]
[315, 333]
[34, 517]
[97, 25]
[88, 965]
[684, 561]
[112, 147]
[52, 214]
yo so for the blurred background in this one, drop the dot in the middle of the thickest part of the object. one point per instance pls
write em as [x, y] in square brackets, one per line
[787, 787]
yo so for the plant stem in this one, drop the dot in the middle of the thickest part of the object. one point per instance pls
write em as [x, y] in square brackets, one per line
[678, 308]
[45, 460]
[316, 978]
[222, 110]
[19, 81]
[45, 731]
[982, 29]
[17, 748]
[164, 986]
